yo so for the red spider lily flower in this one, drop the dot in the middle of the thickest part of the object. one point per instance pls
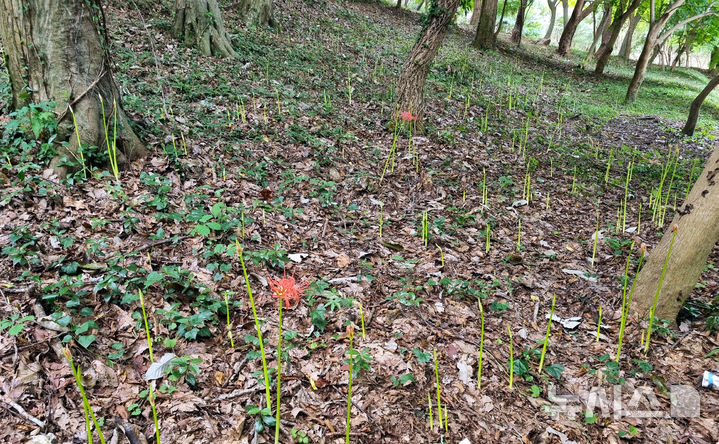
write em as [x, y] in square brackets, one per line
[288, 289]
[407, 116]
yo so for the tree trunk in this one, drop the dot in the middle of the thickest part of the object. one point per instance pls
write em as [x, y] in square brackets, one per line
[714, 59]
[683, 45]
[691, 124]
[501, 20]
[606, 35]
[553, 10]
[578, 14]
[697, 233]
[516, 37]
[565, 12]
[678, 56]
[689, 43]
[255, 12]
[601, 32]
[476, 12]
[410, 89]
[398, 4]
[619, 19]
[626, 48]
[652, 42]
[54, 52]
[199, 24]
[642, 63]
[485, 37]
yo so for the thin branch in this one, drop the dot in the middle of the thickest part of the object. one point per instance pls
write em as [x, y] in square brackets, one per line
[23, 413]
[665, 35]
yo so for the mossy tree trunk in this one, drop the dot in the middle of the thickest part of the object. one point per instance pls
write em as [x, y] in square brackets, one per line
[55, 51]
[410, 88]
[199, 24]
[259, 12]
[485, 37]
[714, 59]
[697, 233]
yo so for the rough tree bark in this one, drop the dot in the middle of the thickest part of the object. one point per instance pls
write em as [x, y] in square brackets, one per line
[626, 49]
[485, 37]
[653, 41]
[691, 124]
[601, 31]
[552, 19]
[55, 51]
[516, 37]
[605, 52]
[476, 12]
[410, 88]
[199, 24]
[697, 233]
[578, 14]
[256, 12]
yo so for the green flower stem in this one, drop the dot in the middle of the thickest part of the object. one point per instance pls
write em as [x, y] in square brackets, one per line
[151, 396]
[257, 325]
[279, 376]
[511, 357]
[546, 337]
[436, 376]
[626, 303]
[147, 327]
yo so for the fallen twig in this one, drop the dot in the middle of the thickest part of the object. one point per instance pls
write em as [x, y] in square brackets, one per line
[22, 412]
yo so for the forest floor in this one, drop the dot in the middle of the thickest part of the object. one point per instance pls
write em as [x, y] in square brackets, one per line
[283, 149]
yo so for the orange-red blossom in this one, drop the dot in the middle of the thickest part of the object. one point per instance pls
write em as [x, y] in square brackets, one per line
[288, 289]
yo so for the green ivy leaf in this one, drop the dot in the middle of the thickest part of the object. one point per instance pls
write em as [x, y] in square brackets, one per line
[214, 225]
[521, 367]
[535, 391]
[202, 230]
[554, 370]
[153, 278]
[86, 340]
[218, 209]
